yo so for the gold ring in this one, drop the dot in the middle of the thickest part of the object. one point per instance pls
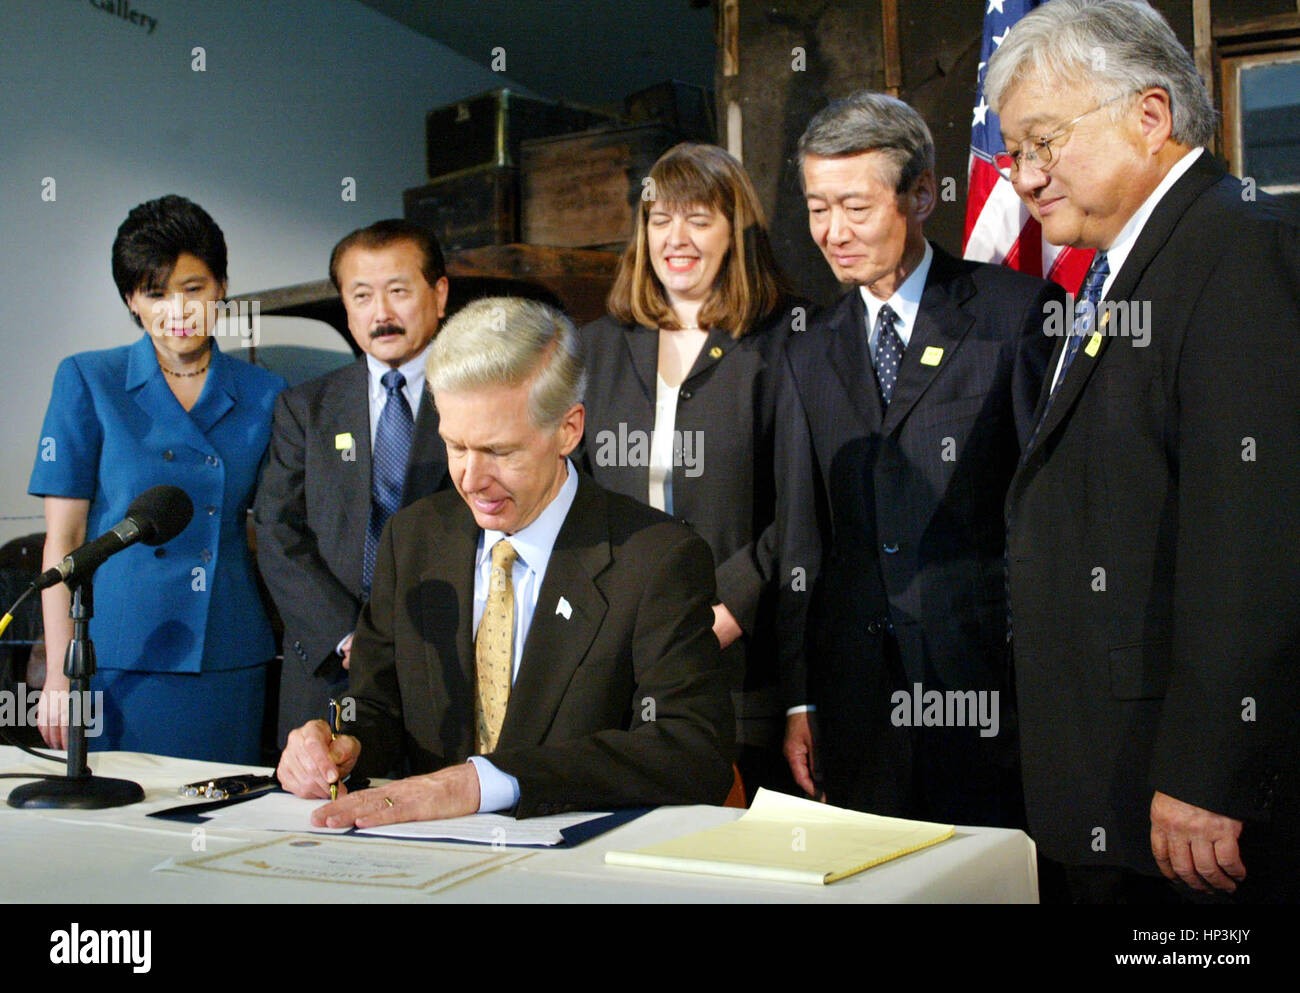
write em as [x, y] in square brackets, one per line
[387, 802]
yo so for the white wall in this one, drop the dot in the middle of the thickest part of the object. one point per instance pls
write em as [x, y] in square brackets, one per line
[297, 94]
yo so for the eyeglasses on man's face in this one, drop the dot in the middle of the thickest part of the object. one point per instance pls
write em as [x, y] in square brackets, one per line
[1041, 152]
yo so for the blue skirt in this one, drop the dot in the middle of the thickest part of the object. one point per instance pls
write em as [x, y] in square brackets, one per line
[213, 716]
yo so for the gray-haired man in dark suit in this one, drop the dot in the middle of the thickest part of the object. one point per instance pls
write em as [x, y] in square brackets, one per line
[901, 414]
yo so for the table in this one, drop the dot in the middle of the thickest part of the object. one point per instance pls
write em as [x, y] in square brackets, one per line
[103, 856]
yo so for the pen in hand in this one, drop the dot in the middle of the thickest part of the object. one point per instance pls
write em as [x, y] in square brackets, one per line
[334, 733]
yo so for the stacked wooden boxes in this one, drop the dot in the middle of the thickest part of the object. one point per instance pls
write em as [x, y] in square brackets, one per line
[582, 190]
[472, 151]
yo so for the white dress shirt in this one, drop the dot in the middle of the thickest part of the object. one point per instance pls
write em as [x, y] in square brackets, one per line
[663, 446]
[532, 544]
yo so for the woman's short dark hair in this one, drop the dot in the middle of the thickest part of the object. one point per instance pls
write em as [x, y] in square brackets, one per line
[153, 237]
[749, 284]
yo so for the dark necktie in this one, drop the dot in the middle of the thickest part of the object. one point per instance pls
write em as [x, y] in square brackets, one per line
[889, 352]
[1085, 314]
[391, 456]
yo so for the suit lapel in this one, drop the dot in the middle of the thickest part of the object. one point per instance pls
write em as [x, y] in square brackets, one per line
[715, 346]
[147, 384]
[643, 348]
[557, 644]
[219, 392]
[447, 600]
[428, 467]
[940, 327]
[850, 356]
[346, 410]
[1202, 174]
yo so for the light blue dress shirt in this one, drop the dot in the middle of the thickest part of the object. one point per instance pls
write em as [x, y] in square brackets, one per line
[533, 544]
[412, 370]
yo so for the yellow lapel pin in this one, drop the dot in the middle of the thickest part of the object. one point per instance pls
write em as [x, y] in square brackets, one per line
[1094, 345]
[715, 352]
[342, 442]
[931, 355]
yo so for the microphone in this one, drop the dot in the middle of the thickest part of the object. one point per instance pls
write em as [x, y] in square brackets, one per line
[156, 516]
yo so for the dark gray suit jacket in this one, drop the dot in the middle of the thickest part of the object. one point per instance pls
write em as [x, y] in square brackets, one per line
[623, 702]
[311, 514]
[892, 538]
[1174, 468]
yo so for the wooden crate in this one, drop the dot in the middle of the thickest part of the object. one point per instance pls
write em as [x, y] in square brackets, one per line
[468, 209]
[487, 129]
[581, 190]
[685, 108]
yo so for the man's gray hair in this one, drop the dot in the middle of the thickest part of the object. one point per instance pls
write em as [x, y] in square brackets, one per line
[1117, 47]
[505, 341]
[871, 122]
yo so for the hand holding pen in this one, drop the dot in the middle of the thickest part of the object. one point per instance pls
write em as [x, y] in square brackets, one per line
[315, 758]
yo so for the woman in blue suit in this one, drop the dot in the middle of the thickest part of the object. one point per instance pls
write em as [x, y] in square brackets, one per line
[181, 638]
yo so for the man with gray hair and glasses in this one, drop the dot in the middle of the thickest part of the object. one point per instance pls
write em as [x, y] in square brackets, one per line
[556, 636]
[900, 418]
[1153, 518]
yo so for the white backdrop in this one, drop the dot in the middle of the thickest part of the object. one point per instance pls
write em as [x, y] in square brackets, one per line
[297, 95]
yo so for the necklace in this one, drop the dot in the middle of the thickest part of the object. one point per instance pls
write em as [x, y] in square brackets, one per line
[185, 375]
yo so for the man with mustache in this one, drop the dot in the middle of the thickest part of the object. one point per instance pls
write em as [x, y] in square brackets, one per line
[347, 450]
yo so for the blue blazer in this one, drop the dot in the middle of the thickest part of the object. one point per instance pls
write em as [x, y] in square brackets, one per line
[112, 430]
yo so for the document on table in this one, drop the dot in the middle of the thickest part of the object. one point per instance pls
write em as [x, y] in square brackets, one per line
[390, 865]
[283, 812]
[789, 839]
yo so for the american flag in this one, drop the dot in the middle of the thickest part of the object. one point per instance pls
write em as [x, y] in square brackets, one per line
[998, 225]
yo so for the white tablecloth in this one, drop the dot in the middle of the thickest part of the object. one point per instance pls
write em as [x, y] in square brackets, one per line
[94, 856]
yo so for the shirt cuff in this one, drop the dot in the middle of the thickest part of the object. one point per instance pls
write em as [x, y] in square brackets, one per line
[497, 790]
[805, 708]
[338, 649]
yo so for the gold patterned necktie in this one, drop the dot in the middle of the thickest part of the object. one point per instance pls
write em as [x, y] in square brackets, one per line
[493, 649]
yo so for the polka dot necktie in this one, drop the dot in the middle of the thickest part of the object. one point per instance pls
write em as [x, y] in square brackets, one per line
[494, 656]
[889, 352]
[392, 454]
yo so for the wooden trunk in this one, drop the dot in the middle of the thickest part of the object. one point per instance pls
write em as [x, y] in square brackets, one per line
[487, 129]
[468, 209]
[581, 190]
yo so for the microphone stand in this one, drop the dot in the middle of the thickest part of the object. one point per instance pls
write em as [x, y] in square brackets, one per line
[80, 788]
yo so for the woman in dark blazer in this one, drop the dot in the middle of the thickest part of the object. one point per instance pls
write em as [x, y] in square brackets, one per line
[180, 635]
[681, 398]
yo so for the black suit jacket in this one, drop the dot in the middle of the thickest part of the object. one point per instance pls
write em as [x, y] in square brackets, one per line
[1152, 533]
[892, 539]
[311, 514]
[727, 407]
[621, 703]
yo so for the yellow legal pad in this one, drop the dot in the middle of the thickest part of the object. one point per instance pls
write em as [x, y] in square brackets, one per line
[790, 840]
